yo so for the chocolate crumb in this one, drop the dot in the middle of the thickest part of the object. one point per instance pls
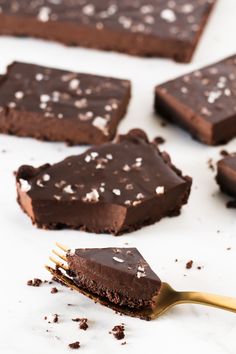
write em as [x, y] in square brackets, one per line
[211, 165]
[231, 204]
[75, 345]
[176, 260]
[83, 323]
[159, 140]
[224, 153]
[189, 265]
[228, 249]
[163, 123]
[124, 343]
[35, 282]
[118, 332]
[199, 268]
[54, 318]
[54, 291]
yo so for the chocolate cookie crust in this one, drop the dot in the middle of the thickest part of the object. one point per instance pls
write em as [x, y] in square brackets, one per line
[202, 102]
[109, 273]
[115, 188]
[56, 105]
[142, 27]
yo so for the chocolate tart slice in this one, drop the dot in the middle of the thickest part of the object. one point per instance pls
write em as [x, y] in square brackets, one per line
[115, 188]
[119, 275]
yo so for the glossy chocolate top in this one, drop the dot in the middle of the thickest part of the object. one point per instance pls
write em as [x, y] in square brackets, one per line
[209, 92]
[120, 269]
[86, 99]
[126, 172]
[120, 259]
[178, 19]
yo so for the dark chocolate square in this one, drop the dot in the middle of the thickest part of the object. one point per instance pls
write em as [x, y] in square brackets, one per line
[57, 105]
[203, 102]
[141, 27]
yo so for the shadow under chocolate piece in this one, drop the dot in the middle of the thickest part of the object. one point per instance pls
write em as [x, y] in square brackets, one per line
[226, 175]
[114, 188]
[119, 275]
[144, 27]
[202, 102]
[55, 105]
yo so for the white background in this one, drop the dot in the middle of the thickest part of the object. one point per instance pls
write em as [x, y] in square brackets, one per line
[202, 233]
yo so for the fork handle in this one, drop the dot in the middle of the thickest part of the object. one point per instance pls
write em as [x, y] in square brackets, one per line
[221, 302]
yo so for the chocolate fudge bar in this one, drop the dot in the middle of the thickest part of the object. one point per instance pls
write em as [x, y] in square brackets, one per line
[115, 188]
[203, 102]
[142, 27]
[109, 273]
[56, 105]
[226, 175]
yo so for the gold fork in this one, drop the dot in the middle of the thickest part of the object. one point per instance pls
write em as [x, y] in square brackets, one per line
[167, 297]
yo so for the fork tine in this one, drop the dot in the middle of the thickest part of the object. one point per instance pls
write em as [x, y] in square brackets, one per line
[59, 264]
[59, 255]
[63, 248]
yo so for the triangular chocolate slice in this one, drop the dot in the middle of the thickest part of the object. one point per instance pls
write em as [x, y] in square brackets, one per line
[115, 188]
[119, 275]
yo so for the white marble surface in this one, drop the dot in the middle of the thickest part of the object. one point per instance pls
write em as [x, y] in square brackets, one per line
[202, 233]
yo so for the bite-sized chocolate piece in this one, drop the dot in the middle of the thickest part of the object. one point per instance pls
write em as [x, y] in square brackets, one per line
[142, 27]
[202, 102]
[120, 275]
[115, 188]
[56, 105]
[226, 175]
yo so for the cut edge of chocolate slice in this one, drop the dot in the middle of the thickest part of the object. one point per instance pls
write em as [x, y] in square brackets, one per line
[63, 278]
[114, 188]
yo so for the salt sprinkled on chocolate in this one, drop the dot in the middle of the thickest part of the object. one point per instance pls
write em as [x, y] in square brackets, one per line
[119, 260]
[92, 197]
[24, 185]
[116, 192]
[44, 14]
[68, 189]
[168, 15]
[160, 190]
